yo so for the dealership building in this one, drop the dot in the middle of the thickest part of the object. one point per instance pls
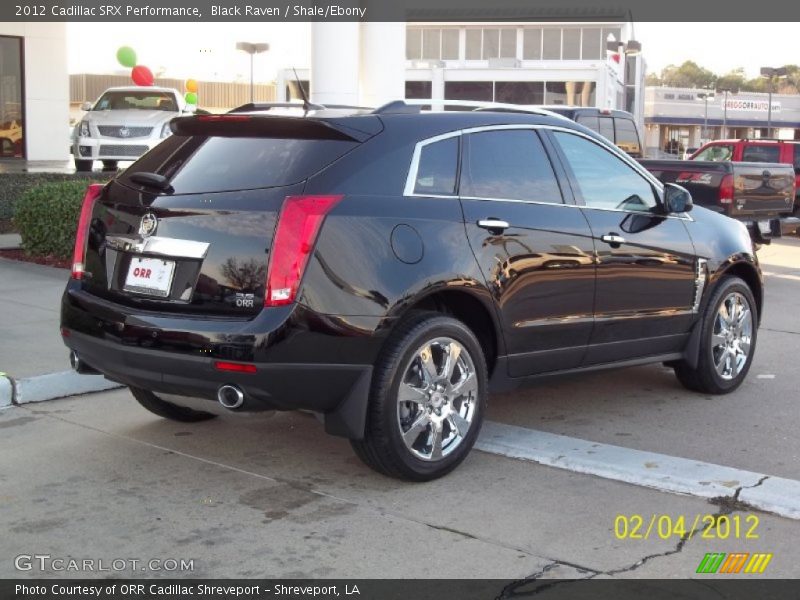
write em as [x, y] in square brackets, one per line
[365, 64]
[682, 118]
[522, 63]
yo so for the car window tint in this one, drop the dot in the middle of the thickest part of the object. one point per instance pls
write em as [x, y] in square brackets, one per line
[796, 156]
[510, 164]
[627, 137]
[606, 128]
[589, 121]
[605, 180]
[715, 153]
[437, 168]
[759, 153]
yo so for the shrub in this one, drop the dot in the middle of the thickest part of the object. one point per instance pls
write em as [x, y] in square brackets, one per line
[46, 217]
[14, 184]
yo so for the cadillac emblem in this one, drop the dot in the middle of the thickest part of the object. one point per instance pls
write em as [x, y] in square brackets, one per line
[124, 132]
[148, 225]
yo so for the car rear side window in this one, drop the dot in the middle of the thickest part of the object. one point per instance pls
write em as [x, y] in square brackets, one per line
[761, 153]
[715, 153]
[604, 180]
[438, 162]
[509, 164]
[197, 164]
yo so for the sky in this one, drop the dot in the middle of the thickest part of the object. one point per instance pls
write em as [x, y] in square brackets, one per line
[207, 50]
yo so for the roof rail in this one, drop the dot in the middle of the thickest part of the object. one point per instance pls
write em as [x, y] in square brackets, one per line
[259, 106]
[415, 106]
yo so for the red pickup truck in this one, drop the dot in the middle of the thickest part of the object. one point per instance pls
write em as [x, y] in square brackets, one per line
[760, 150]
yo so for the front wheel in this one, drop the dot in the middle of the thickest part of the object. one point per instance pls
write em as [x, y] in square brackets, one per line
[428, 397]
[728, 340]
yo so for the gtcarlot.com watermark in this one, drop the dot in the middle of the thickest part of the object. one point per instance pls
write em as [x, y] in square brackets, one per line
[58, 564]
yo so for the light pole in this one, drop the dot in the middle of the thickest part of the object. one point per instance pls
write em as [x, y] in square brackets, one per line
[726, 91]
[770, 73]
[252, 49]
[705, 97]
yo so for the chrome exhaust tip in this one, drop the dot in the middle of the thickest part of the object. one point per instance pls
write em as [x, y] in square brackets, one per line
[230, 396]
[79, 366]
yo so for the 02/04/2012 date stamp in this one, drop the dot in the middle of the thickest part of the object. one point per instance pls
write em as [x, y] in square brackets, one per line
[708, 526]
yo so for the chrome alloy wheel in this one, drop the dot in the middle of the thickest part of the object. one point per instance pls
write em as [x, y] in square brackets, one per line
[732, 335]
[437, 399]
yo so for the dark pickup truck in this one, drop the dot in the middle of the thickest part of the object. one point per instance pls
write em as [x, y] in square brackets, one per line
[758, 194]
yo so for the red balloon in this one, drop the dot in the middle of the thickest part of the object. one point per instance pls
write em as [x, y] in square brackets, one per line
[141, 75]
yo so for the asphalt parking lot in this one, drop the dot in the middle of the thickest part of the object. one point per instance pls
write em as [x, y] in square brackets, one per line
[96, 476]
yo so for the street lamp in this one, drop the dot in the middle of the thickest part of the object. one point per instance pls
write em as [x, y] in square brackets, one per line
[770, 73]
[705, 97]
[252, 49]
[726, 91]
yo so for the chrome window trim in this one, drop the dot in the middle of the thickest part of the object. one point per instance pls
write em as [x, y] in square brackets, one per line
[414, 167]
[161, 246]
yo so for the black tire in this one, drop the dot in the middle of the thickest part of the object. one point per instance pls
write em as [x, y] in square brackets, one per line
[83, 166]
[109, 165]
[705, 377]
[424, 335]
[168, 410]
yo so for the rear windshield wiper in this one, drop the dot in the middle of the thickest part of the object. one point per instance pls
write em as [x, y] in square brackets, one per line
[152, 180]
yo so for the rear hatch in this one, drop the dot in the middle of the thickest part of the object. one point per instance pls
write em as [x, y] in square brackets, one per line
[762, 190]
[189, 227]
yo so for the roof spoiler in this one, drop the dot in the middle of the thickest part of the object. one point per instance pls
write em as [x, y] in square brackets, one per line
[283, 127]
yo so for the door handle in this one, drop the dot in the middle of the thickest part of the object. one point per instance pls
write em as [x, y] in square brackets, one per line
[493, 224]
[613, 239]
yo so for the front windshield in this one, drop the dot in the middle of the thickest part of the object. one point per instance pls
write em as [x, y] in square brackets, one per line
[136, 100]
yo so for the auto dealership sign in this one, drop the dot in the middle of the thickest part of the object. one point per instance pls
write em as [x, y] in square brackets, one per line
[751, 105]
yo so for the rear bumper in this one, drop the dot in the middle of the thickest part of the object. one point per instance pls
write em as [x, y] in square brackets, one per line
[296, 366]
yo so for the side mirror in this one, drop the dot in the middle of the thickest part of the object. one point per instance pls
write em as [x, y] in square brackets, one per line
[86, 106]
[677, 199]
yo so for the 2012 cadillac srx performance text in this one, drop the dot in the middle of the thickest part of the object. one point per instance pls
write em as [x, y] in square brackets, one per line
[386, 269]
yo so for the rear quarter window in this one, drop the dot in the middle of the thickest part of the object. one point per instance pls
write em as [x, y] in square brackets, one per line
[438, 163]
[198, 164]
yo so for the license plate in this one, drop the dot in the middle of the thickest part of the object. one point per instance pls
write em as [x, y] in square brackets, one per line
[764, 227]
[151, 276]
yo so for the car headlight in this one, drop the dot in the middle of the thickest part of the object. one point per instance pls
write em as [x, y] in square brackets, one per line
[83, 129]
[165, 130]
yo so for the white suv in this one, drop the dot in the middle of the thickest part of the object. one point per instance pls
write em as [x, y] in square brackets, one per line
[123, 124]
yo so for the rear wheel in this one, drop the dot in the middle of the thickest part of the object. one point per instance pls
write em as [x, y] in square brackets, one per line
[429, 393]
[83, 165]
[168, 410]
[728, 341]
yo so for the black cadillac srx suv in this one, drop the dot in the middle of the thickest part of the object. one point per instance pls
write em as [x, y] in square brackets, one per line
[388, 269]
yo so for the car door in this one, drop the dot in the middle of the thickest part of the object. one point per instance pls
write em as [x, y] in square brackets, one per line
[646, 270]
[534, 249]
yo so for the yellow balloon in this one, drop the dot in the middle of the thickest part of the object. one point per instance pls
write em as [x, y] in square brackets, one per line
[191, 85]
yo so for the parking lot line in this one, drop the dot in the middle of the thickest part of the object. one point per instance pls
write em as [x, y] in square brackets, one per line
[648, 469]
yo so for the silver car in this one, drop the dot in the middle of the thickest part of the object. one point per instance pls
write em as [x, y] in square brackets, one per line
[123, 124]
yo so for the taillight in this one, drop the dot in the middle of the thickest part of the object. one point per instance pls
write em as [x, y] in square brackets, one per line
[726, 190]
[81, 235]
[298, 226]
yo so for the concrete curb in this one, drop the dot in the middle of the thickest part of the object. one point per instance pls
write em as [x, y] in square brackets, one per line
[647, 469]
[58, 385]
[6, 391]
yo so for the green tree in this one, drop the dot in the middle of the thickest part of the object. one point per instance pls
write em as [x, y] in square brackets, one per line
[688, 75]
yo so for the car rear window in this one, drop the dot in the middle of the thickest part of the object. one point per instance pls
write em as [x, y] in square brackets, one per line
[198, 164]
[627, 137]
[761, 153]
[606, 128]
[589, 121]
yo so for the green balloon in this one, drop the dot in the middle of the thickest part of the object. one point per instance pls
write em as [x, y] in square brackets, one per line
[126, 56]
[191, 98]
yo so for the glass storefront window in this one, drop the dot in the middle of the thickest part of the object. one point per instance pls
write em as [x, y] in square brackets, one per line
[11, 114]
[531, 44]
[572, 44]
[570, 93]
[519, 92]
